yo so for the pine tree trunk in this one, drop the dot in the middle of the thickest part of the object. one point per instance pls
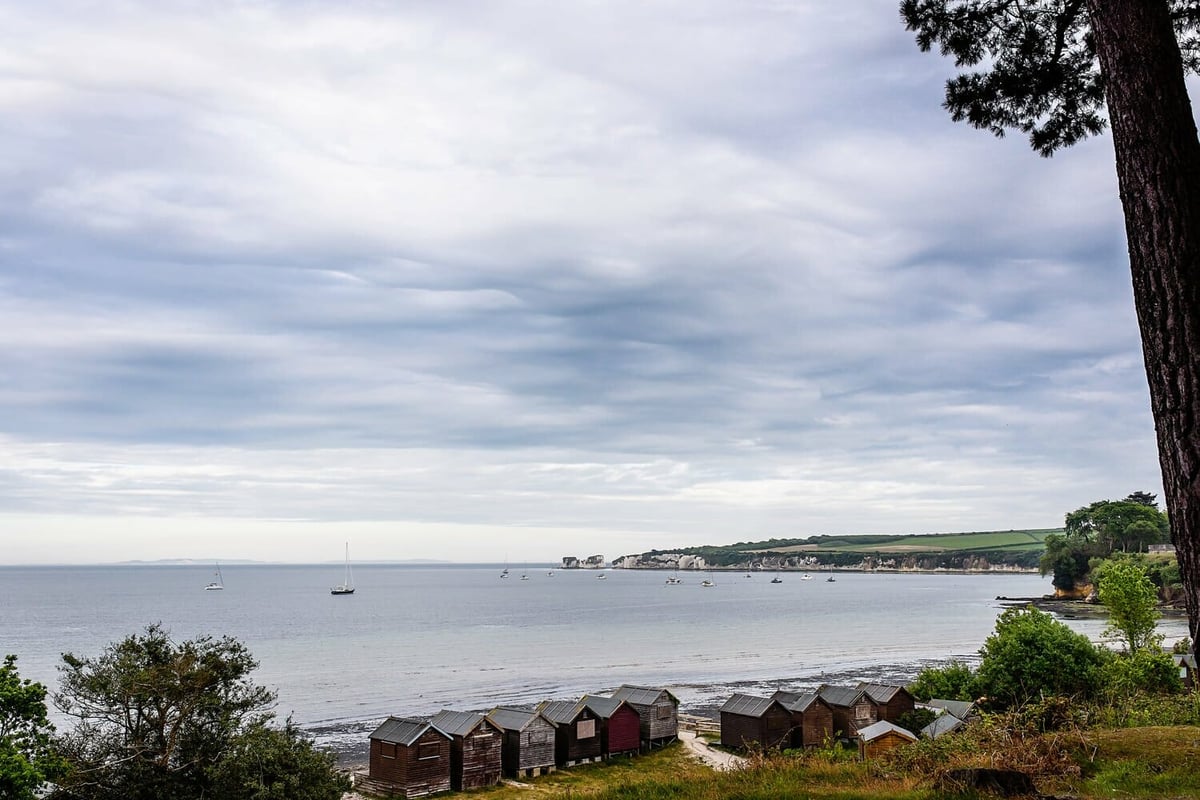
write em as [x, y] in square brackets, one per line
[1158, 168]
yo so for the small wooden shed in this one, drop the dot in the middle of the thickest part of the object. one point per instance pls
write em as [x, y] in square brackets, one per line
[812, 717]
[942, 724]
[409, 758]
[475, 748]
[528, 748]
[658, 710]
[1187, 669]
[853, 709]
[963, 709]
[576, 731]
[748, 721]
[877, 739]
[620, 725]
[893, 701]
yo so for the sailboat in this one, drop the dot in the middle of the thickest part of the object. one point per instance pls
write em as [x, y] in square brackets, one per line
[777, 579]
[831, 579]
[347, 586]
[217, 583]
[525, 574]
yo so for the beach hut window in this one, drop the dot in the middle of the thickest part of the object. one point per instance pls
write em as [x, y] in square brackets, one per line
[387, 750]
[664, 712]
[428, 750]
[539, 737]
[586, 728]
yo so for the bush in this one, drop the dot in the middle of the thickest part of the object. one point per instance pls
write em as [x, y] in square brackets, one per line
[955, 681]
[1030, 656]
[1144, 672]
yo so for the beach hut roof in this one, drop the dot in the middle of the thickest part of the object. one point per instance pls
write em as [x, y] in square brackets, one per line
[1185, 660]
[642, 695]
[562, 712]
[844, 696]
[401, 730]
[456, 723]
[748, 705]
[604, 707]
[883, 727]
[881, 692]
[943, 724]
[512, 718]
[959, 708]
[796, 701]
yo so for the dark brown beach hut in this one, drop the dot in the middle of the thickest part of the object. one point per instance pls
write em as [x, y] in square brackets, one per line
[409, 758]
[877, 739]
[576, 731]
[658, 710]
[893, 701]
[475, 747]
[748, 721]
[852, 709]
[528, 748]
[620, 725]
[812, 717]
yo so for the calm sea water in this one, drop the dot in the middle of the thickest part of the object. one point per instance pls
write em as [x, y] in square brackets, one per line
[413, 640]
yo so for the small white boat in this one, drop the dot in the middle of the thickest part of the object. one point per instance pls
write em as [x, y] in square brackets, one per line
[806, 577]
[777, 579]
[706, 583]
[217, 583]
[602, 577]
[673, 581]
[347, 585]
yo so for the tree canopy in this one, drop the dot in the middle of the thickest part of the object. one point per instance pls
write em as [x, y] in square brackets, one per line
[1097, 530]
[1062, 70]
[27, 757]
[1031, 655]
[1132, 603]
[156, 718]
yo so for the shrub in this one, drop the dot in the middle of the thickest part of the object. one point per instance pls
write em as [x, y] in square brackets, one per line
[955, 681]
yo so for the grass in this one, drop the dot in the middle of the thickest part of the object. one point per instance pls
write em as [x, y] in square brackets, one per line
[1153, 762]
[930, 543]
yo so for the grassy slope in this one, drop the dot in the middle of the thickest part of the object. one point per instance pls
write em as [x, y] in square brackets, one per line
[1132, 762]
[930, 543]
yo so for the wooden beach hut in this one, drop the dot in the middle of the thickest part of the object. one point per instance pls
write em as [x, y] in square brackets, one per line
[475, 748]
[876, 739]
[892, 701]
[576, 731]
[409, 758]
[528, 746]
[748, 721]
[812, 717]
[963, 709]
[620, 725]
[658, 710]
[853, 709]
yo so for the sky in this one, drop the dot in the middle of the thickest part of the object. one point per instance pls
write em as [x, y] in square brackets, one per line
[516, 280]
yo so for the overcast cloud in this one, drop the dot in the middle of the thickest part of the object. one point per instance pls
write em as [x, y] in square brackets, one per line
[470, 280]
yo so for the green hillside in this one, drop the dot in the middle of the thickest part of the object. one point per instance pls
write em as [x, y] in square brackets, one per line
[1016, 548]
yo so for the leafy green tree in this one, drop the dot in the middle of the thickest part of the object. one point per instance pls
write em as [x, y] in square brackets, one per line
[27, 757]
[155, 718]
[1132, 603]
[955, 681]
[1067, 557]
[1031, 655]
[1148, 671]
[1144, 498]
[916, 719]
[265, 763]
[1060, 71]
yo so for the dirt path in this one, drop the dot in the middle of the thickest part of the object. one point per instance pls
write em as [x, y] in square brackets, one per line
[717, 759]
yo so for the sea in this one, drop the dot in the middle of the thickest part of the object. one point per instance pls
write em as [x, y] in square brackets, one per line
[415, 639]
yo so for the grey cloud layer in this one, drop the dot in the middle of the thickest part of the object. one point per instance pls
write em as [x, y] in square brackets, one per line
[642, 265]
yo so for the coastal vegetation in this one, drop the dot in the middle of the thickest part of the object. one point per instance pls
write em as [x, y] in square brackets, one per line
[1020, 549]
[154, 718]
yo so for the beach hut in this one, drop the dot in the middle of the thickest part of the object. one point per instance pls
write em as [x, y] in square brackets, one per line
[409, 758]
[1187, 668]
[576, 731]
[876, 739]
[852, 709]
[812, 717]
[620, 725]
[658, 710]
[475, 748]
[963, 709]
[528, 741]
[893, 701]
[942, 724]
[748, 721]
